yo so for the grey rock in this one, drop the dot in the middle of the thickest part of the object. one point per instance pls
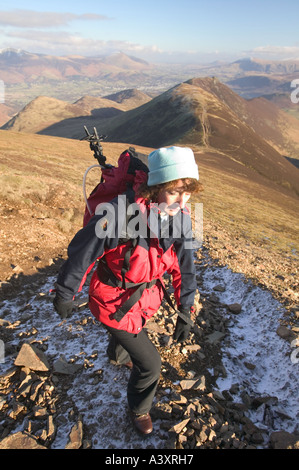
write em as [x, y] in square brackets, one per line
[283, 440]
[235, 308]
[31, 357]
[187, 384]
[51, 428]
[76, 436]
[162, 411]
[20, 440]
[285, 333]
[61, 366]
[177, 428]
[219, 288]
[215, 337]
[196, 383]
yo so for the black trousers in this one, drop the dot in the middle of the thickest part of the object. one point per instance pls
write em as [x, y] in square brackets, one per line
[144, 378]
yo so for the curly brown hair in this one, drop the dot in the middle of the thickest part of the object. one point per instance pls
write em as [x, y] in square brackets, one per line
[191, 185]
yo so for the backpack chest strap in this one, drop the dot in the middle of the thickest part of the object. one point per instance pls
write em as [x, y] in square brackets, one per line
[107, 277]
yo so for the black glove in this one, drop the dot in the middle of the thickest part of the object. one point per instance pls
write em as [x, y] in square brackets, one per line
[63, 307]
[183, 324]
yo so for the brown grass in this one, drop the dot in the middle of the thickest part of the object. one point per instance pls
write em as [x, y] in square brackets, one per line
[41, 204]
[256, 213]
[41, 197]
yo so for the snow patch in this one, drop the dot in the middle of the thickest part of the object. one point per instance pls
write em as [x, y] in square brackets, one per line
[253, 340]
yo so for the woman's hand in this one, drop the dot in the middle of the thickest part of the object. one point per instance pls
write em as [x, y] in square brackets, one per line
[183, 324]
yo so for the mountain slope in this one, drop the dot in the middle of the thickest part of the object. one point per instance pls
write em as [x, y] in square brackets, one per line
[41, 112]
[17, 66]
[6, 112]
[41, 208]
[44, 111]
[131, 98]
[123, 61]
[207, 115]
[267, 66]
[269, 121]
[193, 114]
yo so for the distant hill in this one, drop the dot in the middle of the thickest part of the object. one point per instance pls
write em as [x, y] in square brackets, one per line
[41, 112]
[44, 111]
[248, 136]
[265, 118]
[252, 86]
[6, 112]
[126, 62]
[21, 66]
[129, 98]
[27, 75]
[252, 78]
[267, 66]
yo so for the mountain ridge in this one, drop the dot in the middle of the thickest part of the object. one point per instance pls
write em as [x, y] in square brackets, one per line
[25, 66]
[45, 111]
[202, 113]
[190, 115]
[27, 75]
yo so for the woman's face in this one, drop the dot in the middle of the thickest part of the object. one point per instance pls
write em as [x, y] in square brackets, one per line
[173, 200]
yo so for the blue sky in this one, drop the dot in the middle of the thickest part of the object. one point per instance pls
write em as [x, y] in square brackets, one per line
[164, 30]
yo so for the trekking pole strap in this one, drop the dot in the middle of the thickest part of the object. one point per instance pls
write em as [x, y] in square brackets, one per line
[183, 316]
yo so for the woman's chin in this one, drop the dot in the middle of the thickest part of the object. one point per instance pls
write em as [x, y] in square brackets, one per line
[172, 212]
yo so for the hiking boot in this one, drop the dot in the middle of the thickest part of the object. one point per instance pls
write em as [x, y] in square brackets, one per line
[129, 364]
[142, 423]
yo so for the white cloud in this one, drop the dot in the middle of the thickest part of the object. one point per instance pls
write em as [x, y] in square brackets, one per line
[31, 31]
[63, 43]
[66, 43]
[45, 37]
[275, 52]
[39, 19]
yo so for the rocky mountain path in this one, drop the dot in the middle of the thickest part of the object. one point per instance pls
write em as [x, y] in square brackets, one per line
[232, 385]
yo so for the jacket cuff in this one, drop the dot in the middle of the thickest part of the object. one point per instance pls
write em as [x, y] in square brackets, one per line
[64, 294]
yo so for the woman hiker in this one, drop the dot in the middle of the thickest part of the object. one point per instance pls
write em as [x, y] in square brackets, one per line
[161, 243]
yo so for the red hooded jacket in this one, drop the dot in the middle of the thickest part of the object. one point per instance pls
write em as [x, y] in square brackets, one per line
[159, 249]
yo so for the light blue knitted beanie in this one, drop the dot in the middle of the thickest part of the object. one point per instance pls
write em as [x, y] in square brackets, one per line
[171, 163]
